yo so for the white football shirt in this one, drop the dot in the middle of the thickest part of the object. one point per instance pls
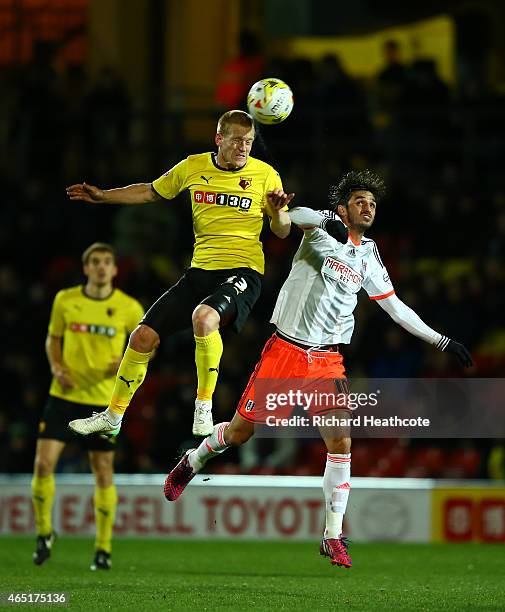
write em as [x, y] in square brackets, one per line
[316, 302]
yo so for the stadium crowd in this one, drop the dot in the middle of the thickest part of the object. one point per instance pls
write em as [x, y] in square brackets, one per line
[441, 232]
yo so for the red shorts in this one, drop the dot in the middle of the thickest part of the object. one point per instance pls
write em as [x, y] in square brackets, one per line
[284, 368]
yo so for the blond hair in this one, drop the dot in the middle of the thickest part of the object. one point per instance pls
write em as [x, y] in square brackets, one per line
[234, 117]
[103, 247]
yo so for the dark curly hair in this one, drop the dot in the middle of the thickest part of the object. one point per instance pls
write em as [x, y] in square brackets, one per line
[364, 180]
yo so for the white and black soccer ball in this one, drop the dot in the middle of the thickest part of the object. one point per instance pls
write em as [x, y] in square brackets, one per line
[270, 101]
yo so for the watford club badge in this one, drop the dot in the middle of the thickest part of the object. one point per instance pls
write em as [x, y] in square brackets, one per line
[245, 182]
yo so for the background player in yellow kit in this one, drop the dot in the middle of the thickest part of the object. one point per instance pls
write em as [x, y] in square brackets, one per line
[231, 193]
[86, 337]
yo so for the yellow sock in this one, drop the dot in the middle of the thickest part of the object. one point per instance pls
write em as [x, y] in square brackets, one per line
[207, 356]
[130, 376]
[105, 511]
[43, 496]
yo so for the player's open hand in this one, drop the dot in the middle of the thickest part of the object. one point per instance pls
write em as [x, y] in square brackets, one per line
[113, 366]
[85, 193]
[277, 199]
[461, 353]
[62, 375]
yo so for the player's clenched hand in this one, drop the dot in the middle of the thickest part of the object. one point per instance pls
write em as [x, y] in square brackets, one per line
[277, 199]
[62, 375]
[461, 353]
[85, 192]
[113, 366]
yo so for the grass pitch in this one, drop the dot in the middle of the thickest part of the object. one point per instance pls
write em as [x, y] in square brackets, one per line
[223, 575]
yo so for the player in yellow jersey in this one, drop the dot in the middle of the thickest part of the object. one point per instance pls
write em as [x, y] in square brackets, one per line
[87, 334]
[231, 194]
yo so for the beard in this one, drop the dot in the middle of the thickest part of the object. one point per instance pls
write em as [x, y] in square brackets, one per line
[360, 224]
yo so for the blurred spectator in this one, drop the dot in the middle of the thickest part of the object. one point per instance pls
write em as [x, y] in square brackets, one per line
[398, 357]
[238, 74]
[74, 89]
[107, 125]
[426, 111]
[40, 123]
[392, 80]
[343, 112]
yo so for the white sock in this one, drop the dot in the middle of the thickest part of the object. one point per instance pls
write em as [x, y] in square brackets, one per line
[113, 417]
[336, 487]
[210, 447]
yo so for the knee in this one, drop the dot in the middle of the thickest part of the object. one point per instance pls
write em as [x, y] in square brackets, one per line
[339, 446]
[103, 471]
[205, 320]
[104, 479]
[144, 339]
[236, 437]
[43, 467]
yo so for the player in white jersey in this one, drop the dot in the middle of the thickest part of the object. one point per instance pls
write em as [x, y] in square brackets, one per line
[313, 315]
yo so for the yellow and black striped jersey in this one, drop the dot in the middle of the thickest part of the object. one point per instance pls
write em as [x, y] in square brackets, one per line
[228, 209]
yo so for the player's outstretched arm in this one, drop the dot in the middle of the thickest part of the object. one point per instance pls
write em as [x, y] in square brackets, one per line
[139, 193]
[280, 222]
[412, 322]
[307, 218]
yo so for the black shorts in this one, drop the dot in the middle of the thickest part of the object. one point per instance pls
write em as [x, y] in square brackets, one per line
[56, 417]
[172, 311]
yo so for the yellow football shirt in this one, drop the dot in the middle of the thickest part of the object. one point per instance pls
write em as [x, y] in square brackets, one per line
[228, 209]
[94, 333]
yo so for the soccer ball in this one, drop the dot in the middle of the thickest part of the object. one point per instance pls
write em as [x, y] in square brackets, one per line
[270, 101]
